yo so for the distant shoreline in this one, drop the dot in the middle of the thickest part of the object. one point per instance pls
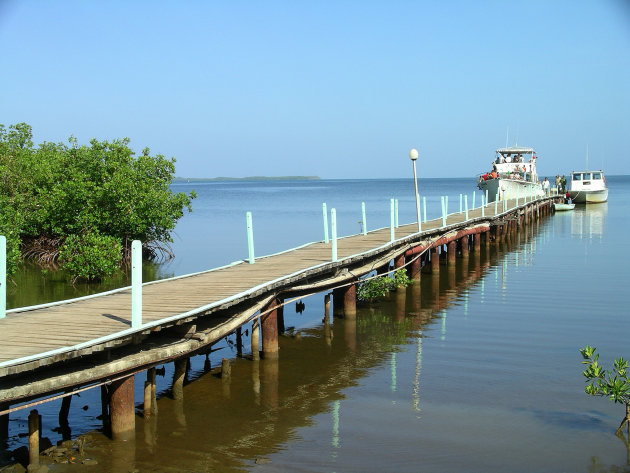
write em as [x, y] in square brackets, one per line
[250, 178]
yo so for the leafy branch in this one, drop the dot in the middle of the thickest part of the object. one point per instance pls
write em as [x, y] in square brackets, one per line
[376, 288]
[613, 384]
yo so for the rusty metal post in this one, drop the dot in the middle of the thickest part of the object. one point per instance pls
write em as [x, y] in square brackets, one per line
[464, 243]
[477, 241]
[416, 267]
[435, 259]
[122, 409]
[239, 342]
[350, 301]
[269, 323]
[451, 252]
[399, 263]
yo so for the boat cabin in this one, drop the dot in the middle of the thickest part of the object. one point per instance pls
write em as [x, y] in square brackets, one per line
[513, 163]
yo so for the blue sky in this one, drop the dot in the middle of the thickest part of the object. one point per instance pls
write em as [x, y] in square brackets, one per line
[338, 89]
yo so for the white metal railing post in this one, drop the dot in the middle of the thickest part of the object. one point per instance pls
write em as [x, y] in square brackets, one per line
[392, 220]
[325, 215]
[443, 211]
[486, 196]
[424, 209]
[483, 207]
[3, 276]
[250, 238]
[363, 216]
[474, 196]
[466, 207]
[461, 203]
[396, 211]
[333, 227]
[136, 284]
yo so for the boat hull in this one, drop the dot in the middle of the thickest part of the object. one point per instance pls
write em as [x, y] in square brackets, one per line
[589, 197]
[563, 207]
[510, 188]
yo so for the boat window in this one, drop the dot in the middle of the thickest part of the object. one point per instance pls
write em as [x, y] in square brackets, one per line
[587, 176]
[577, 176]
[597, 175]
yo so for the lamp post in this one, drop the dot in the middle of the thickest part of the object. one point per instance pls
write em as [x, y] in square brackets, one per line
[413, 155]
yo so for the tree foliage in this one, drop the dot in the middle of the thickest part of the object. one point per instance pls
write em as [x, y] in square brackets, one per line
[82, 205]
[373, 289]
[613, 384]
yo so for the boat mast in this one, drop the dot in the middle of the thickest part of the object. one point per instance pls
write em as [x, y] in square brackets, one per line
[587, 157]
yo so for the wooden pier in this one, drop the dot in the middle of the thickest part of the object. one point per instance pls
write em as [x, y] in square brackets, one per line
[54, 348]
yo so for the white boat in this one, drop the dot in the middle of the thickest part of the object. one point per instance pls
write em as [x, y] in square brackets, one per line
[562, 207]
[513, 175]
[587, 187]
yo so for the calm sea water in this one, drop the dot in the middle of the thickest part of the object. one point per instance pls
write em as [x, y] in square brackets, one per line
[475, 370]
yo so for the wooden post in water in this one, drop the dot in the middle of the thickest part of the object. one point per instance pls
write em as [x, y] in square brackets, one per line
[64, 426]
[256, 339]
[464, 243]
[451, 252]
[4, 424]
[33, 440]
[146, 408]
[399, 262]
[178, 378]
[477, 241]
[121, 409]
[416, 267]
[239, 340]
[269, 323]
[226, 377]
[151, 380]
[350, 301]
[435, 259]
[280, 310]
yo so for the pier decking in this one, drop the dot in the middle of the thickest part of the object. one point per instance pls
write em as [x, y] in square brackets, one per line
[196, 310]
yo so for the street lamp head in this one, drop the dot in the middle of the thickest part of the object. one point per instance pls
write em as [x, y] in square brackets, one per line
[413, 154]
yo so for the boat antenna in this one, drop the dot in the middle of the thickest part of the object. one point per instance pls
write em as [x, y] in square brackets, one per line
[587, 157]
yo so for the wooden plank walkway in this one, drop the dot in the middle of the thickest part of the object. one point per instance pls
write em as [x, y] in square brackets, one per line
[47, 332]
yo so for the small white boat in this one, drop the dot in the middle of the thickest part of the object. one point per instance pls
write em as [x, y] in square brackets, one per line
[586, 187]
[513, 174]
[562, 207]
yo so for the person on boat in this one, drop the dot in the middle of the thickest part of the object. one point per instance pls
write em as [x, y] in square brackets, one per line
[567, 198]
[545, 185]
[494, 174]
[563, 182]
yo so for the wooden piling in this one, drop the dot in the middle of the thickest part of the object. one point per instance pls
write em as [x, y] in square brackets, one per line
[121, 408]
[269, 323]
[464, 245]
[226, 377]
[64, 426]
[178, 378]
[239, 341]
[477, 241]
[4, 423]
[33, 439]
[451, 252]
[151, 380]
[435, 259]
[280, 314]
[147, 399]
[256, 339]
[350, 301]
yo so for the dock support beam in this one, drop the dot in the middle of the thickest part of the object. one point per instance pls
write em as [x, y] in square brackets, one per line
[269, 323]
[121, 409]
[477, 241]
